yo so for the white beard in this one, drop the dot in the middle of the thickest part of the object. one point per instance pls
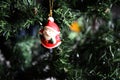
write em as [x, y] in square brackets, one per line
[47, 37]
[50, 37]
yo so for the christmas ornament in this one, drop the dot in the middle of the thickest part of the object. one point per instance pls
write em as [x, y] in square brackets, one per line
[35, 11]
[50, 35]
[75, 27]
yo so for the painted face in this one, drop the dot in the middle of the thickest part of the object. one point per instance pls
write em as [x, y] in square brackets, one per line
[48, 33]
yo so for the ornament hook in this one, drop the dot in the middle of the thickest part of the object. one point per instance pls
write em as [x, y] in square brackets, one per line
[51, 7]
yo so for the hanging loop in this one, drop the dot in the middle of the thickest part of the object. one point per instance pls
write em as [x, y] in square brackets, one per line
[51, 7]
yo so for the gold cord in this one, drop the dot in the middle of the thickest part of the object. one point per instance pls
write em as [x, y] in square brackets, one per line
[51, 7]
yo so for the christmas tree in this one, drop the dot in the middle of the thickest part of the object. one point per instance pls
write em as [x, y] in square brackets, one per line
[89, 34]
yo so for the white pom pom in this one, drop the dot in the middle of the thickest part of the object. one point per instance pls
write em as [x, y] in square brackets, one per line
[51, 19]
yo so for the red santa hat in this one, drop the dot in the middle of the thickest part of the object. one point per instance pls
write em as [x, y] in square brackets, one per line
[52, 25]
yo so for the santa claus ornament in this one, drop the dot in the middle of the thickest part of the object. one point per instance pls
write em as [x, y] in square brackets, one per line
[50, 34]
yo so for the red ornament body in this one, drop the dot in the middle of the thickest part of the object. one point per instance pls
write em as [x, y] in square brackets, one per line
[50, 35]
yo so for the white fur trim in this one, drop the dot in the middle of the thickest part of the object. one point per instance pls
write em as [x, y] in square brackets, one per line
[53, 30]
[51, 19]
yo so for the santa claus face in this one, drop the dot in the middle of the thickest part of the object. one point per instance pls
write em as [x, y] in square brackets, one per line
[48, 33]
